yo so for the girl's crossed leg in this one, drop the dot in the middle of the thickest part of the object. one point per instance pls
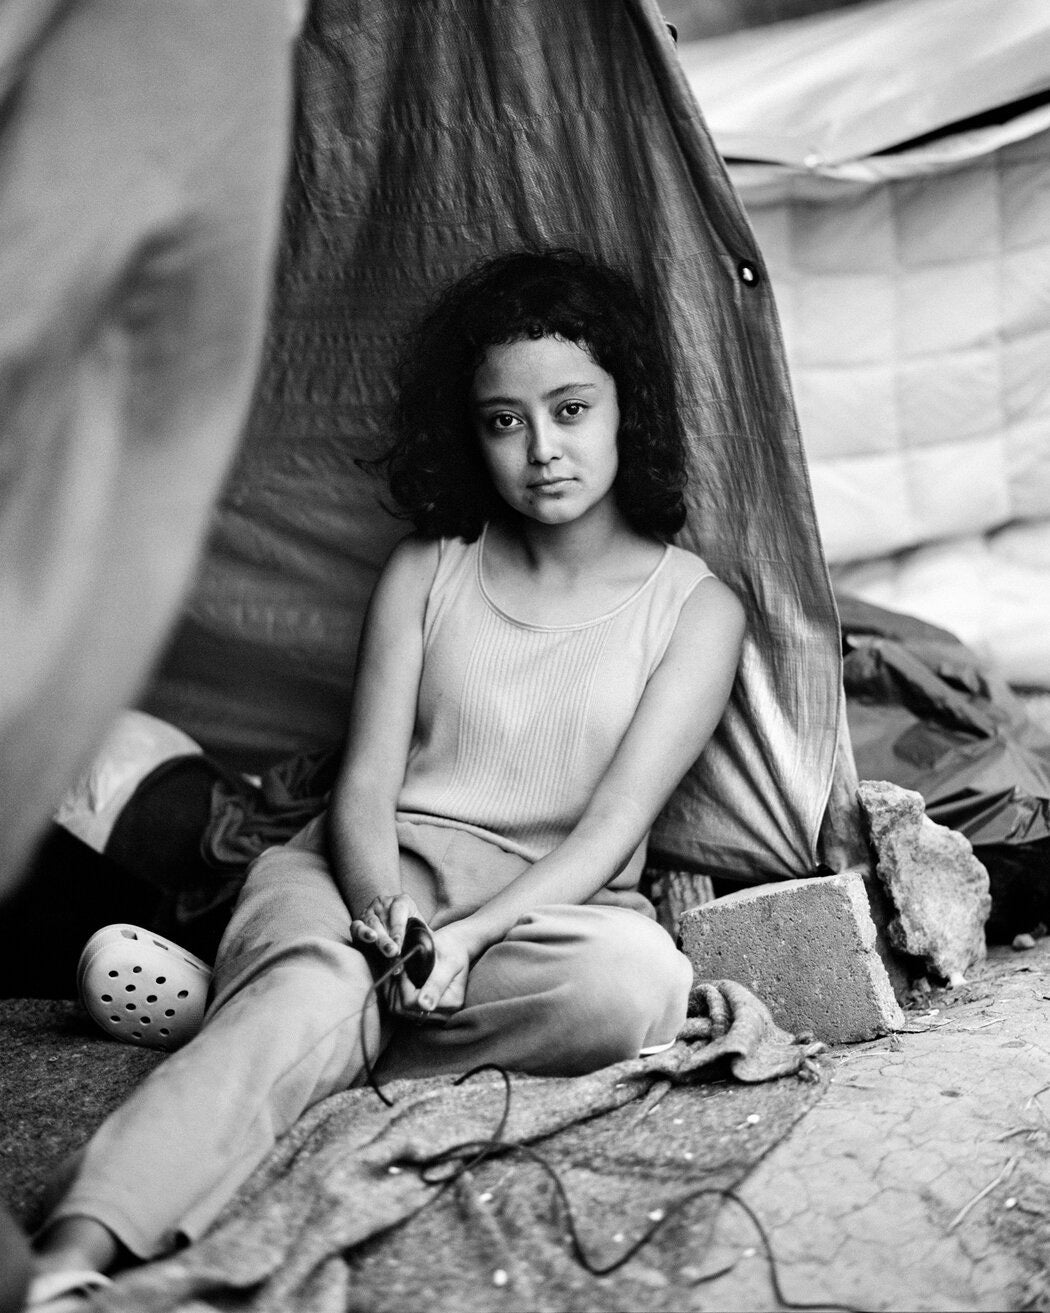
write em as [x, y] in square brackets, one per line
[570, 989]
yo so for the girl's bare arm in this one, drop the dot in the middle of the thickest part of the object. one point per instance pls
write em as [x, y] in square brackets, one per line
[362, 836]
[682, 704]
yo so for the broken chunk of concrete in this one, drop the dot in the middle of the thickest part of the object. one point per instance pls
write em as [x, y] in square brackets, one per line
[938, 888]
[806, 948]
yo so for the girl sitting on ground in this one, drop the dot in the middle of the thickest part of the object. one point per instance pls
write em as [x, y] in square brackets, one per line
[538, 670]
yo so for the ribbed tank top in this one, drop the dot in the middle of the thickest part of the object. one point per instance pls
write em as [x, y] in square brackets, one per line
[517, 723]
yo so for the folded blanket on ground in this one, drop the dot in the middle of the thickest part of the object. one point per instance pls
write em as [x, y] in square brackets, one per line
[310, 1229]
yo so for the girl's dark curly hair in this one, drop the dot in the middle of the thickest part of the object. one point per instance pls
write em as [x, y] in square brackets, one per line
[435, 470]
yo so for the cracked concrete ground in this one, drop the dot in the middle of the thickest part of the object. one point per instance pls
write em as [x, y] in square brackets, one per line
[921, 1181]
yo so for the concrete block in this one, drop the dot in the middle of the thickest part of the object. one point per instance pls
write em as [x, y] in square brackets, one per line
[900, 968]
[806, 948]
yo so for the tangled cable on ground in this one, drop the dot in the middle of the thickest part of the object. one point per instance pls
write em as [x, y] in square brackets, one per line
[464, 1157]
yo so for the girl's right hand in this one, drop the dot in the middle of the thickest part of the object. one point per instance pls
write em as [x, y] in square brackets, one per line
[381, 926]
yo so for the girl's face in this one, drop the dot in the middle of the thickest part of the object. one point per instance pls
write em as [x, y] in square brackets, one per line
[546, 419]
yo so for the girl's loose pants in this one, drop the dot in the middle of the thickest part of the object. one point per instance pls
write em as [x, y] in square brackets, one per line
[570, 989]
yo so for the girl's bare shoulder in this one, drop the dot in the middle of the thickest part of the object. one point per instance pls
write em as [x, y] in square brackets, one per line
[712, 604]
[412, 564]
[404, 583]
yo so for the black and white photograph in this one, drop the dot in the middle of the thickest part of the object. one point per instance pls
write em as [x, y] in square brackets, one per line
[524, 656]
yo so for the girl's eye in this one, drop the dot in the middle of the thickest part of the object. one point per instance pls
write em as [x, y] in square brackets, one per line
[502, 422]
[573, 409]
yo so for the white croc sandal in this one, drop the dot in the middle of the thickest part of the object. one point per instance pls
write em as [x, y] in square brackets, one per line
[142, 988]
[64, 1292]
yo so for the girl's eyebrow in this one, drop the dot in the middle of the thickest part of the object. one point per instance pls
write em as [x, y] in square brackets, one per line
[547, 396]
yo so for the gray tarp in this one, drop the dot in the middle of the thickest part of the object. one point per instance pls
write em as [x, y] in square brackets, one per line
[429, 135]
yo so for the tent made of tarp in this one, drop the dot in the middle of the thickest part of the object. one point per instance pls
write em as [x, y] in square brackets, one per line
[894, 159]
[428, 136]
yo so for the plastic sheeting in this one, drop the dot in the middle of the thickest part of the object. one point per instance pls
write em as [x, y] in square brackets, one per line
[894, 159]
[428, 136]
[886, 74]
[913, 284]
[928, 714]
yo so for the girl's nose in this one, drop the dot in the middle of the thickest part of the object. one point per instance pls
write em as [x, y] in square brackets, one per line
[543, 443]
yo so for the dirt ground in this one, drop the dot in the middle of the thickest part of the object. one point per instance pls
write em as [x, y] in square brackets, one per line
[921, 1181]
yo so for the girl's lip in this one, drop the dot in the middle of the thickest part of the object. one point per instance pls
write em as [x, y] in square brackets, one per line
[549, 483]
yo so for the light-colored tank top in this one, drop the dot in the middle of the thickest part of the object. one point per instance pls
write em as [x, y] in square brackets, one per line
[517, 723]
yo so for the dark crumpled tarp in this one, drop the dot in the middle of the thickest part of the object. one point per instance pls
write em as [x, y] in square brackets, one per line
[427, 137]
[302, 1231]
[926, 713]
[246, 819]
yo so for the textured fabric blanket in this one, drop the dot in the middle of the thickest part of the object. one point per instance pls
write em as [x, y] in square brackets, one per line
[313, 1229]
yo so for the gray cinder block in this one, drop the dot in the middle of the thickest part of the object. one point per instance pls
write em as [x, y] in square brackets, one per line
[806, 948]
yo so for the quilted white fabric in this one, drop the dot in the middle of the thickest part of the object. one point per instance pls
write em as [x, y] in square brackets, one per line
[913, 285]
[916, 316]
[916, 319]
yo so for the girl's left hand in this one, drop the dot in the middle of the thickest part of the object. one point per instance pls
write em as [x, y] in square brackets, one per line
[445, 989]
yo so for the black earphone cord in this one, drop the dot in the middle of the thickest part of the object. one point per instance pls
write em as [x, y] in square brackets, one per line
[463, 1158]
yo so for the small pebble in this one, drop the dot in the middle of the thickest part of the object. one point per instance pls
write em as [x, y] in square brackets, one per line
[1021, 942]
[499, 1277]
[748, 1253]
[485, 1198]
[657, 1215]
[752, 1119]
[1010, 1203]
[687, 1156]
[618, 1238]
[677, 1121]
[394, 1171]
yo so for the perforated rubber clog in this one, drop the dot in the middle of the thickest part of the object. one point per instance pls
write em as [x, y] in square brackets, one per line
[142, 988]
